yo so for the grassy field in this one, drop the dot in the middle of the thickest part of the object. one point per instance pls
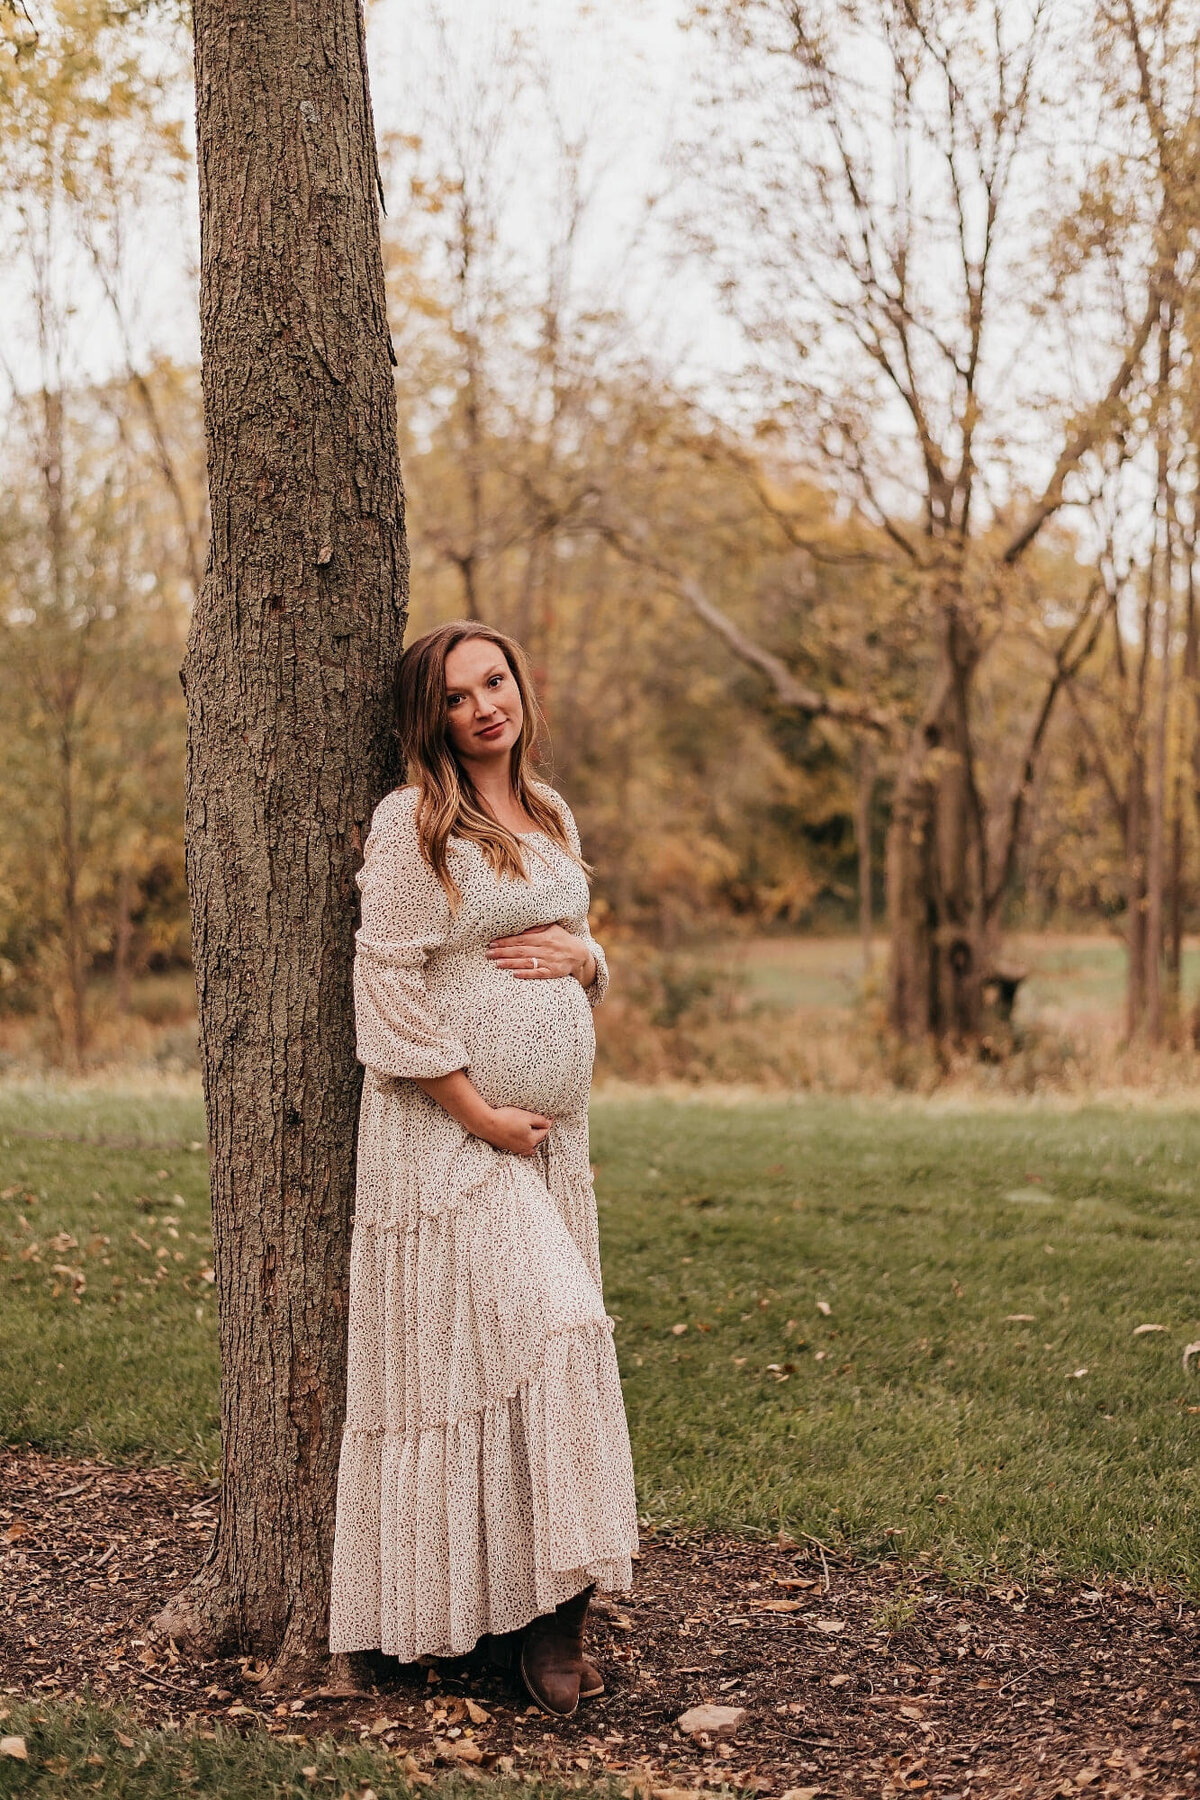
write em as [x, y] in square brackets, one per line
[892, 1327]
[901, 1329]
[1073, 978]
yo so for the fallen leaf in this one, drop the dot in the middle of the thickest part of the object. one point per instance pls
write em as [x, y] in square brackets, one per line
[382, 1725]
[477, 1714]
[829, 1626]
[1140, 1331]
[801, 1793]
[126, 1741]
[458, 1749]
[1020, 1318]
[14, 1747]
[1190, 1351]
[678, 1330]
[779, 1606]
[17, 1530]
[824, 1308]
[838, 1680]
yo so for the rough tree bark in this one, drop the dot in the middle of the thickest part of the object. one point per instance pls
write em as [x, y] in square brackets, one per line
[288, 668]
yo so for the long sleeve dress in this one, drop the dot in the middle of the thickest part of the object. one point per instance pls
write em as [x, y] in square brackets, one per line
[485, 1470]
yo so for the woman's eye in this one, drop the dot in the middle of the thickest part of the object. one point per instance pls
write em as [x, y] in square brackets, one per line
[494, 679]
[453, 699]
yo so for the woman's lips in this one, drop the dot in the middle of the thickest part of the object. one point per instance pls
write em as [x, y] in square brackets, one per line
[491, 731]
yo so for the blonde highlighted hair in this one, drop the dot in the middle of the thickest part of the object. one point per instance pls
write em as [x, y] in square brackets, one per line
[448, 804]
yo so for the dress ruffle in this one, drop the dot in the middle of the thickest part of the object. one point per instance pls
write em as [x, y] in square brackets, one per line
[535, 1471]
[500, 1421]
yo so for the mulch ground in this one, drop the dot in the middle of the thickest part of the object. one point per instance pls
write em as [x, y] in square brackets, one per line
[853, 1681]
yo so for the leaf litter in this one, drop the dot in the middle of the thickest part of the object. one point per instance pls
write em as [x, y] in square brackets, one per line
[864, 1681]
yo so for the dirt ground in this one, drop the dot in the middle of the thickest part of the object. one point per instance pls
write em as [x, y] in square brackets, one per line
[852, 1681]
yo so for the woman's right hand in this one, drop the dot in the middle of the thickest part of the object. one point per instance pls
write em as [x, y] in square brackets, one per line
[512, 1128]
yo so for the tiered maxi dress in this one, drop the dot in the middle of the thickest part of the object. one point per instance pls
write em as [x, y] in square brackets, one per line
[485, 1469]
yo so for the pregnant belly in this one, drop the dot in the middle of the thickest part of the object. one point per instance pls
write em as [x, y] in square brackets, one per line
[531, 1043]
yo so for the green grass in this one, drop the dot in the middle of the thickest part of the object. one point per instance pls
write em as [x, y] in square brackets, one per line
[914, 1415]
[129, 1370]
[73, 1750]
[1076, 975]
[916, 1412]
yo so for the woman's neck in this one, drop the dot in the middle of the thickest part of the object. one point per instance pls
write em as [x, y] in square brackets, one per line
[495, 790]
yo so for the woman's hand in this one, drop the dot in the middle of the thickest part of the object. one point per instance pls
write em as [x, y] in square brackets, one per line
[512, 1128]
[558, 952]
[503, 1127]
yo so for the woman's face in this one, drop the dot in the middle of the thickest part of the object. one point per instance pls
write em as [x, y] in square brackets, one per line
[483, 703]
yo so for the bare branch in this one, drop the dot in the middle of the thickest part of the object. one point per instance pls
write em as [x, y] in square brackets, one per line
[1086, 437]
[630, 543]
[1069, 659]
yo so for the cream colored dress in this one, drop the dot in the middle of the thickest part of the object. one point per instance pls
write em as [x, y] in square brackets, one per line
[485, 1471]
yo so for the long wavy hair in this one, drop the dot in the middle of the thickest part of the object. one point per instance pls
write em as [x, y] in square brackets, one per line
[448, 804]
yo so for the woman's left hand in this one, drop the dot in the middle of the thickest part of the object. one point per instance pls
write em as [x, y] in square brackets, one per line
[544, 953]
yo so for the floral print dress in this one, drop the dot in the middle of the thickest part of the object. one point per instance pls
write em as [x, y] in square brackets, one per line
[485, 1470]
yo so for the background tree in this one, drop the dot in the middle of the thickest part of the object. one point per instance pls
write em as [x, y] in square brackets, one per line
[885, 186]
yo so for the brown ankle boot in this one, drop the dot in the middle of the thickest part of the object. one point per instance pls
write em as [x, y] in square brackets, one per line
[591, 1682]
[551, 1661]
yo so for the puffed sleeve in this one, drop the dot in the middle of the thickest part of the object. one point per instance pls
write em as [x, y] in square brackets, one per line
[599, 987]
[405, 915]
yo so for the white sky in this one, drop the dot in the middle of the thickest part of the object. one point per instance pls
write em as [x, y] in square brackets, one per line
[621, 74]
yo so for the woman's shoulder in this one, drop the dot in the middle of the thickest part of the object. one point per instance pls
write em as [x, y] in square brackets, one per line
[551, 794]
[553, 798]
[400, 803]
[395, 818]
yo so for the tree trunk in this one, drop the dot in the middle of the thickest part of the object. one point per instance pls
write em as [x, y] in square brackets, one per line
[1135, 893]
[1156, 868]
[864, 798]
[73, 927]
[123, 938]
[934, 881]
[288, 673]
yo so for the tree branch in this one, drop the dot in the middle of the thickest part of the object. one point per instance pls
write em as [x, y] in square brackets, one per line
[788, 691]
[1085, 437]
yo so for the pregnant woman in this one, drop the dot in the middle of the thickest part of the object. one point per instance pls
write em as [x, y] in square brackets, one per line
[485, 1485]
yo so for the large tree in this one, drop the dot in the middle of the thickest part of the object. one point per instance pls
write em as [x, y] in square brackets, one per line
[895, 168]
[297, 628]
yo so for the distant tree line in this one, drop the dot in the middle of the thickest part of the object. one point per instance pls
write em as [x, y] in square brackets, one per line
[912, 628]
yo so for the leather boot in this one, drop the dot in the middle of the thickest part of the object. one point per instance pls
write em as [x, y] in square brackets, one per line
[502, 1652]
[591, 1682]
[551, 1661]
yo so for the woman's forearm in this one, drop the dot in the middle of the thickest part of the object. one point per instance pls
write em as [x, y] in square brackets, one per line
[460, 1097]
